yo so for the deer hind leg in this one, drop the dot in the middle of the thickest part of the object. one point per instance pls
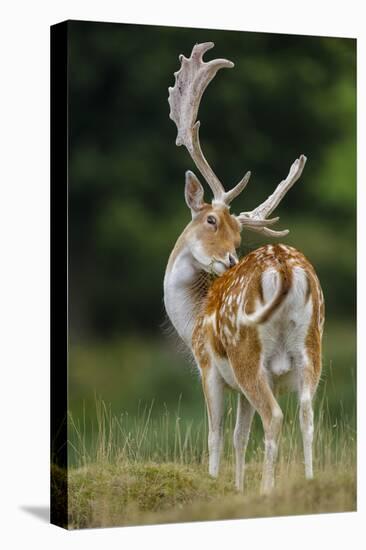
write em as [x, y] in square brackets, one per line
[254, 384]
[307, 429]
[213, 388]
[308, 380]
[272, 418]
[244, 417]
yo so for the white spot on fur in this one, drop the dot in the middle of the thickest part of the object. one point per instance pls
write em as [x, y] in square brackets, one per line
[227, 331]
[211, 320]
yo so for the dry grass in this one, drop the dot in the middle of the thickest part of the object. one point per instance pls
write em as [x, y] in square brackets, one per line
[154, 470]
[162, 493]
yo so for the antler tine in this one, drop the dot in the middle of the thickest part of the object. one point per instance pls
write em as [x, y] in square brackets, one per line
[199, 50]
[256, 220]
[273, 200]
[235, 191]
[184, 99]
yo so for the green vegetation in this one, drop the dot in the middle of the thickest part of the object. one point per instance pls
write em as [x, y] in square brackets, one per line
[162, 493]
[286, 95]
[105, 496]
[150, 378]
[134, 474]
[142, 456]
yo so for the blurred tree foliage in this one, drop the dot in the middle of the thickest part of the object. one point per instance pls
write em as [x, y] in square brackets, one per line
[286, 95]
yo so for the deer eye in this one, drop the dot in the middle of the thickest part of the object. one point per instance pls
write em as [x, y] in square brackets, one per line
[211, 220]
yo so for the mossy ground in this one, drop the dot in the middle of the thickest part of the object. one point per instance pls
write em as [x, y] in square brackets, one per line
[148, 471]
[135, 494]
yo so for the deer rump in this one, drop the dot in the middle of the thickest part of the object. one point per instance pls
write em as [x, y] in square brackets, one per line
[282, 317]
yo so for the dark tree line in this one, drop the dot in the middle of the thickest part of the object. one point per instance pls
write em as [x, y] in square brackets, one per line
[286, 95]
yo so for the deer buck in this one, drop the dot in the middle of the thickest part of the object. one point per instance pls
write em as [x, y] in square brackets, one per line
[257, 326]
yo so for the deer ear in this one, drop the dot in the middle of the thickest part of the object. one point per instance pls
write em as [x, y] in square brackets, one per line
[193, 193]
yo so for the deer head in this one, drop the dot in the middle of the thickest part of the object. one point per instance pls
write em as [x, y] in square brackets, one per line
[214, 232]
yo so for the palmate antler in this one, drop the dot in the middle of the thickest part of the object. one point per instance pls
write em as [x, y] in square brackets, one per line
[184, 99]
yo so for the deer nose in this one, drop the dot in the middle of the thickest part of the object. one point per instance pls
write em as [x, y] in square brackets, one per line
[232, 260]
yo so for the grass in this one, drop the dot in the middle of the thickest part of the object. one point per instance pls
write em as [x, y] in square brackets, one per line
[149, 463]
[150, 493]
[124, 370]
[146, 469]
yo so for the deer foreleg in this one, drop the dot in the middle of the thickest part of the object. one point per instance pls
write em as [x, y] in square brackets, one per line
[213, 388]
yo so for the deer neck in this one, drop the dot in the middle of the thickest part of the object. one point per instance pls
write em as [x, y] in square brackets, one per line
[185, 288]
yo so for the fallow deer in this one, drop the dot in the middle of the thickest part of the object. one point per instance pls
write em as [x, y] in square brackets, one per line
[257, 326]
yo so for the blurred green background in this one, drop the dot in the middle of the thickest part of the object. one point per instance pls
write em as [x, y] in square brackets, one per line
[287, 95]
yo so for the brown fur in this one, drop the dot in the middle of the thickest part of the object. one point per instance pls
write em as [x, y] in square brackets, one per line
[250, 269]
[216, 307]
[244, 352]
[216, 241]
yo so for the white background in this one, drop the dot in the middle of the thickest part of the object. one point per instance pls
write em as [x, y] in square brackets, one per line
[24, 271]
